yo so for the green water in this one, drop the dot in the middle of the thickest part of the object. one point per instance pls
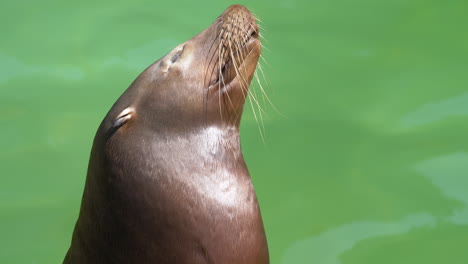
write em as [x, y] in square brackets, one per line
[367, 162]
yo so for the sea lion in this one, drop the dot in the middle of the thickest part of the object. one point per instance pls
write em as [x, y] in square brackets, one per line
[167, 182]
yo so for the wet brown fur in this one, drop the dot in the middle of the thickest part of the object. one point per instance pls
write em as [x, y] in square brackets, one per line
[167, 182]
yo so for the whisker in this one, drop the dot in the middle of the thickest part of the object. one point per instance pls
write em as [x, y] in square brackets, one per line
[260, 112]
[253, 98]
[229, 98]
[253, 95]
[226, 64]
[220, 77]
[263, 59]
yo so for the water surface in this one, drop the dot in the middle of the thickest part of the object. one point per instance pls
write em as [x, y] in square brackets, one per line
[367, 162]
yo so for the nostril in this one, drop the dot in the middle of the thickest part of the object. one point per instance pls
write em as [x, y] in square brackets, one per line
[254, 34]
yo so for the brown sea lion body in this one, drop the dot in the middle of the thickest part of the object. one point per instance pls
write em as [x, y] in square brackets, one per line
[167, 182]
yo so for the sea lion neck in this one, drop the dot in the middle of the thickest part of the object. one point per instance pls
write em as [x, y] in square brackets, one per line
[209, 144]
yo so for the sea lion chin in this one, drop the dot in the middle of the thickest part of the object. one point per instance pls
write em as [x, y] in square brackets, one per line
[167, 182]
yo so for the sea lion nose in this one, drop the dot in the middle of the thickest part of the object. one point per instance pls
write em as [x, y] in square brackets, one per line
[238, 21]
[235, 8]
[242, 13]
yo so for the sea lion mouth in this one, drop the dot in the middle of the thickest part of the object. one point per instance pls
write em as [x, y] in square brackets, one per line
[233, 67]
[236, 46]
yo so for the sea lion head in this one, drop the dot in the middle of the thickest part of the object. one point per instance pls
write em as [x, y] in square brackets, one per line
[203, 81]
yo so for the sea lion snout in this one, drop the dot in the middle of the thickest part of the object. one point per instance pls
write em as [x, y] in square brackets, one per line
[240, 15]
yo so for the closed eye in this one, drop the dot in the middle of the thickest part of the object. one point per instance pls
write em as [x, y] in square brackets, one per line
[123, 117]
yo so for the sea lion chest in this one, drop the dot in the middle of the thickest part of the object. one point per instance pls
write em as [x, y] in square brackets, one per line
[183, 194]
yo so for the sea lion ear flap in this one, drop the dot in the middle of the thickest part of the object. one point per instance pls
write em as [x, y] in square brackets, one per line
[124, 116]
